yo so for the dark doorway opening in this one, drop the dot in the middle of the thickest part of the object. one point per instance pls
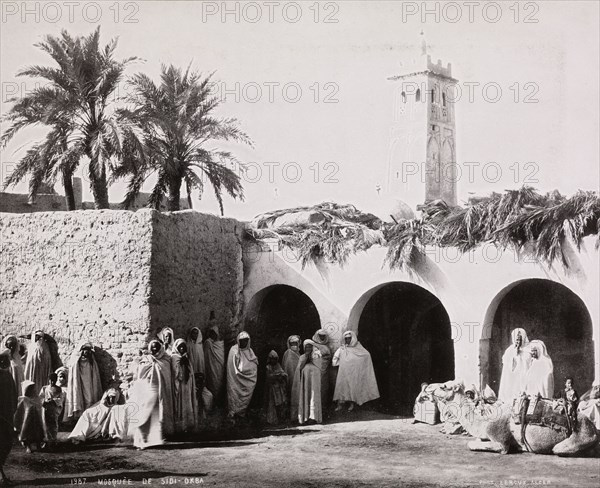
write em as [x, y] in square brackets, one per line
[407, 331]
[274, 314]
[552, 313]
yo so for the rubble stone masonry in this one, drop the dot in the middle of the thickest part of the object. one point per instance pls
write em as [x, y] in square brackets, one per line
[115, 277]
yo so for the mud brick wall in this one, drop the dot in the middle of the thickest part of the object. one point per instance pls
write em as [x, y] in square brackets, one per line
[78, 276]
[114, 277]
[197, 273]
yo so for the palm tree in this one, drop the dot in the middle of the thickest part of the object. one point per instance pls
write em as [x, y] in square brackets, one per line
[168, 126]
[77, 106]
[48, 160]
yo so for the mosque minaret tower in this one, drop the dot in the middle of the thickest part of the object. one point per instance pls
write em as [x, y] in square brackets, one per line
[422, 148]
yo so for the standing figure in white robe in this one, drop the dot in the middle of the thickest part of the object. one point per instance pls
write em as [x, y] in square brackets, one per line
[166, 336]
[84, 388]
[39, 361]
[214, 363]
[242, 372]
[290, 360]
[515, 364]
[314, 357]
[152, 396]
[540, 376]
[321, 342]
[356, 382]
[105, 420]
[309, 375]
[184, 386]
[17, 370]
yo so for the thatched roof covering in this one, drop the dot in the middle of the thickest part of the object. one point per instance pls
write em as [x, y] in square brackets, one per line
[522, 219]
[328, 231]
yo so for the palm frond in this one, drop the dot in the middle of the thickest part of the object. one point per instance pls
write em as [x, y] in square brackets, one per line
[531, 223]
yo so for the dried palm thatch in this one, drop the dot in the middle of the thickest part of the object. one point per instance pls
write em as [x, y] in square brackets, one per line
[521, 219]
[547, 227]
[406, 243]
[341, 231]
[329, 211]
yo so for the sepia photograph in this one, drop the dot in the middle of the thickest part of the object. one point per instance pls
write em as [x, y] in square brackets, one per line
[300, 244]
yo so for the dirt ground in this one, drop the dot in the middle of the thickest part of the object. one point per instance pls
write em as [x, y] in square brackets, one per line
[362, 449]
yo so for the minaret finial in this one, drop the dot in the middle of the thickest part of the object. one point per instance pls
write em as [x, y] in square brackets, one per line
[423, 44]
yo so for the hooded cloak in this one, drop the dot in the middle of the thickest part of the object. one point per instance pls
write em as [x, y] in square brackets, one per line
[17, 370]
[323, 346]
[290, 360]
[162, 337]
[8, 406]
[356, 377]
[589, 404]
[515, 364]
[295, 394]
[39, 361]
[185, 401]
[276, 388]
[308, 377]
[196, 351]
[540, 376]
[84, 388]
[242, 372]
[103, 420]
[214, 363]
[152, 394]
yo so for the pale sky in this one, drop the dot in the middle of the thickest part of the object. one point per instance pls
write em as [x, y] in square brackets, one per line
[554, 61]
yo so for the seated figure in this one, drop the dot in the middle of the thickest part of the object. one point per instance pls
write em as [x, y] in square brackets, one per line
[589, 405]
[107, 419]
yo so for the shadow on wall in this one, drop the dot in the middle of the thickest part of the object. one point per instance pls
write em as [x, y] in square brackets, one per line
[108, 368]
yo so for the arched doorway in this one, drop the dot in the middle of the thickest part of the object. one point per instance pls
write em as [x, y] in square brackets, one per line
[274, 314]
[407, 331]
[550, 312]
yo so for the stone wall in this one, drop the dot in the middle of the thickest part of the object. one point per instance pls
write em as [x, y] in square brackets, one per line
[115, 277]
[78, 276]
[197, 273]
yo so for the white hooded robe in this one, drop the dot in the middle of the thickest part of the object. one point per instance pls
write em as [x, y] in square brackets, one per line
[540, 376]
[515, 364]
[356, 380]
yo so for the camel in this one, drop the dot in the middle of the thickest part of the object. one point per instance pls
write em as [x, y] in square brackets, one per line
[496, 429]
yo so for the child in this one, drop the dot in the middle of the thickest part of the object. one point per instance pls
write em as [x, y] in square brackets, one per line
[53, 400]
[276, 390]
[571, 400]
[28, 418]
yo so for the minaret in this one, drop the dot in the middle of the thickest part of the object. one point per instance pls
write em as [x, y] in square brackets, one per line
[422, 150]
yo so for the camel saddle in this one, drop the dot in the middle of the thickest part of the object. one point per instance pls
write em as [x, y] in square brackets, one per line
[539, 411]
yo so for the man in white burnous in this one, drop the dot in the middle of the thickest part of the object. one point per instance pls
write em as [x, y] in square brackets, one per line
[540, 376]
[516, 361]
[356, 383]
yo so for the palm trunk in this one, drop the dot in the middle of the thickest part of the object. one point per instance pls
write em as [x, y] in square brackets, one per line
[189, 196]
[69, 193]
[174, 196]
[99, 187]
